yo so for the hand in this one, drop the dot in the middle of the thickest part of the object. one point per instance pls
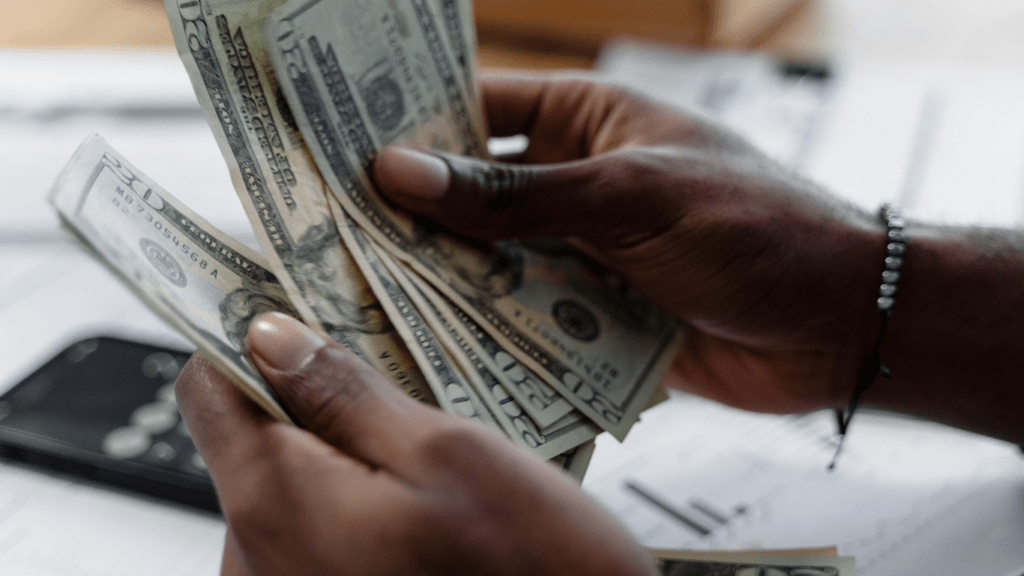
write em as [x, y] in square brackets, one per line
[373, 482]
[775, 278]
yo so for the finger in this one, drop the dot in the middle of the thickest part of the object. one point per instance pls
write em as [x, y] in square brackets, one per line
[568, 119]
[614, 199]
[333, 394]
[232, 563]
[560, 118]
[250, 454]
[225, 425]
[511, 104]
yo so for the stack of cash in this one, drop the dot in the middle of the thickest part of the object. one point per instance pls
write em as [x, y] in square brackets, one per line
[525, 337]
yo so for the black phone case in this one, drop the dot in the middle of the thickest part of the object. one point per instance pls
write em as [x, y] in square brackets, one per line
[104, 410]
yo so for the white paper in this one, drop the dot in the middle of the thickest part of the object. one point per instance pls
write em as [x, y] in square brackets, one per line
[907, 497]
[50, 526]
[945, 143]
[52, 294]
[141, 103]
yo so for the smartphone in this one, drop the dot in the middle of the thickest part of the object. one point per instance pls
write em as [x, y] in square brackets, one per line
[104, 410]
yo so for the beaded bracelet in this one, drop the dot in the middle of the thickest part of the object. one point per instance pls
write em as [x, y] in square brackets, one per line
[872, 367]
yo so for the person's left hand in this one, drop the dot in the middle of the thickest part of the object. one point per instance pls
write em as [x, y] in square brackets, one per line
[373, 482]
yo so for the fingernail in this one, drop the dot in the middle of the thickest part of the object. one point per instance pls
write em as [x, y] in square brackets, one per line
[282, 341]
[412, 173]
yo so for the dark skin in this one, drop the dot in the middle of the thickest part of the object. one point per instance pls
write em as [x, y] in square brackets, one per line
[703, 224]
[774, 278]
[372, 482]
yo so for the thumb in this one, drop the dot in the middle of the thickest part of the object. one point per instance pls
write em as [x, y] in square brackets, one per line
[605, 199]
[332, 393]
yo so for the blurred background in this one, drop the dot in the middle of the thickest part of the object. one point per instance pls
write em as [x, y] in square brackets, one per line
[561, 33]
[919, 102]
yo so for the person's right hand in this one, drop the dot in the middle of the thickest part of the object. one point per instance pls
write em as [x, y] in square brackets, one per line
[775, 278]
[373, 482]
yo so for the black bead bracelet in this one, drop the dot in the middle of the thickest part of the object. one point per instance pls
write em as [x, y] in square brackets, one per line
[872, 367]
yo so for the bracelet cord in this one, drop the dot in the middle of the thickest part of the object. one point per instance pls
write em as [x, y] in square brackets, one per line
[872, 366]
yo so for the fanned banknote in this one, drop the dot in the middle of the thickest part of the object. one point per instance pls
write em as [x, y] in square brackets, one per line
[527, 338]
[453, 390]
[544, 405]
[356, 75]
[548, 441]
[457, 16]
[221, 44]
[210, 287]
[199, 280]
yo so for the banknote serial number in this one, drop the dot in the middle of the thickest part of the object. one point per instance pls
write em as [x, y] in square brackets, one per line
[400, 375]
[127, 204]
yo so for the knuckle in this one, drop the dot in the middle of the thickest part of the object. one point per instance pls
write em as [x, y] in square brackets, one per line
[330, 391]
[639, 195]
[504, 202]
[269, 482]
[629, 179]
[636, 165]
[572, 94]
[254, 529]
[196, 383]
[245, 509]
[453, 444]
[617, 95]
[487, 199]
[190, 375]
[185, 381]
[502, 186]
[419, 515]
[243, 512]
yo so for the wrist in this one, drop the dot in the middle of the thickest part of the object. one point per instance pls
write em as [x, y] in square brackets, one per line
[873, 367]
[855, 248]
[954, 338]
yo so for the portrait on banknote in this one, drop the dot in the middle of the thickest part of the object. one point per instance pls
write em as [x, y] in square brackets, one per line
[240, 306]
[328, 273]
